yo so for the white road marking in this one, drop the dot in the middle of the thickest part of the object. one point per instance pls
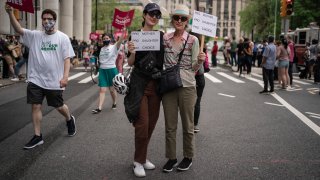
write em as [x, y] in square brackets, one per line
[86, 80]
[226, 95]
[318, 117]
[211, 78]
[230, 77]
[296, 81]
[273, 104]
[301, 116]
[297, 113]
[76, 75]
[313, 113]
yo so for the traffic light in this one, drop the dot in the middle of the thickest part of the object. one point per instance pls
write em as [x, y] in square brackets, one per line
[289, 7]
[283, 8]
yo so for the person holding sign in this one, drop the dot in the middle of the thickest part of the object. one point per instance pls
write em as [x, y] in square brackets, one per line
[181, 99]
[48, 70]
[108, 70]
[142, 103]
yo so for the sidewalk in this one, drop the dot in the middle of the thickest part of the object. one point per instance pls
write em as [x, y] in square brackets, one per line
[7, 82]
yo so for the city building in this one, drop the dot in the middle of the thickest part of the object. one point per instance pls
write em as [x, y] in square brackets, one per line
[74, 17]
[227, 12]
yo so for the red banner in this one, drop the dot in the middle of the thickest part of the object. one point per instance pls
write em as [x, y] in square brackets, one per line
[94, 36]
[119, 33]
[121, 19]
[22, 5]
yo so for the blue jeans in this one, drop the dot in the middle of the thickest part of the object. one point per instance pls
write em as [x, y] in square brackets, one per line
[233, 58]
[19, 65]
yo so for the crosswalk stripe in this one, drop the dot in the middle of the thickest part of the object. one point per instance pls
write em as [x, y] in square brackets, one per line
[230, 77]
[76, 75]
[211, 78]
[294, 80]
[86, 80]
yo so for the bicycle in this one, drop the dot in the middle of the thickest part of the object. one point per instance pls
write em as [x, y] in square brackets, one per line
[94, 70]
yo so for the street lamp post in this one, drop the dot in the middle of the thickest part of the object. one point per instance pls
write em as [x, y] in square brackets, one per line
[96, 15]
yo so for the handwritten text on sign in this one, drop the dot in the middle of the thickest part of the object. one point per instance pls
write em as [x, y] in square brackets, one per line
[146, 40]
[204, 24]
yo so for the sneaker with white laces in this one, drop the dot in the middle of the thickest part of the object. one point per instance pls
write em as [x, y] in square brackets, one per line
[138, 169]
[148, 165]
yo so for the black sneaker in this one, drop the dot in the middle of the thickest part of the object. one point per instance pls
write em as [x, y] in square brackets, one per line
[263, 92]
[171, 163]
[96, 111]
[71, 124]
[271, 91]
[185, 164]
[35, 141]
[114, 106]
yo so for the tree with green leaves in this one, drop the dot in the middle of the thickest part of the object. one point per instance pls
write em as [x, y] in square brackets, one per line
[261, 16]
[105, 11]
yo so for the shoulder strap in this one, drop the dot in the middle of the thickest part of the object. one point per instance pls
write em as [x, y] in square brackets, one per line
[184, 46]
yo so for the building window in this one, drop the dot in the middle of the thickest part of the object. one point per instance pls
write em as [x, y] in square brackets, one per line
[233, 32]
[219, 9]
[233, 10]
[226, 10]
[218, 32]
[225, 32]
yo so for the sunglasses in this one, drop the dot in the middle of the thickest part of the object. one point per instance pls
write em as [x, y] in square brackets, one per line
[182, 18]
[156, 14]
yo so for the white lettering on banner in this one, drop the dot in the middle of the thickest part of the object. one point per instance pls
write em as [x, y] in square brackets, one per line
[19, 2]
[205, 24]
[146, 40]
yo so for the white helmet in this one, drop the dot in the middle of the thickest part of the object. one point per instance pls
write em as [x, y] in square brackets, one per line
[120, 84]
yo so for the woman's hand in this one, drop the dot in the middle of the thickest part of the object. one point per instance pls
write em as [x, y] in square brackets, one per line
[201, 58]
[9, 9]
[131, 47]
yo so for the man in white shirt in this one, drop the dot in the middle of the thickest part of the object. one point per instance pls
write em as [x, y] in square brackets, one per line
[48, 70]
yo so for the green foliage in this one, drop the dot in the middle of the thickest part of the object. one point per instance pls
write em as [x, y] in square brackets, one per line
[105, 14]
[305, 11]
[260, 16]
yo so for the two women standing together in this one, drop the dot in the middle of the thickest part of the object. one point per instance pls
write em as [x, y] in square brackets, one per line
[142, 103]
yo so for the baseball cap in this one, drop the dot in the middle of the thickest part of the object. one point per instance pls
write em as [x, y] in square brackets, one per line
[151, 7]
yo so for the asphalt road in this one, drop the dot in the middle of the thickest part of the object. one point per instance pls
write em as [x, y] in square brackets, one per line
[243, 135]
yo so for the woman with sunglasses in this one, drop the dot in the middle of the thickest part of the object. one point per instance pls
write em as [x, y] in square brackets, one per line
[182, 99]
[142, 103]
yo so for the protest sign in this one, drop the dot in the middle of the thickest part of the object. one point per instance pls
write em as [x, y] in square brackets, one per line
[204, 24]
[146, 40]
[22, 5]
[122, 19]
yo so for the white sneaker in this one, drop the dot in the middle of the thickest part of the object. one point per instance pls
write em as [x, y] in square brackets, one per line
[15, 79]
[138, 170]
[148, 165]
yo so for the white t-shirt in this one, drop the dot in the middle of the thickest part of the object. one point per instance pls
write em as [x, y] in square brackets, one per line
[46, 57]
[108, 56]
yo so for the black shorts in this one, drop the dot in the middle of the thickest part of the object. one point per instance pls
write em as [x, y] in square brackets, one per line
[36, 94]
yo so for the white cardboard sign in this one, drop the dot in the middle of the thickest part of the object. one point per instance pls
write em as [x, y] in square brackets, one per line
[205, 24]
[146, 40]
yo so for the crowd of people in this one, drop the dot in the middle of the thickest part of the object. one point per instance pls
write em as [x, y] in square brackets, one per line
[246, 54]
[48, 76]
